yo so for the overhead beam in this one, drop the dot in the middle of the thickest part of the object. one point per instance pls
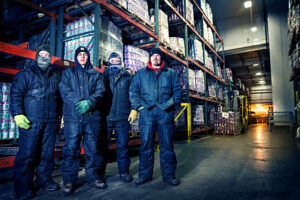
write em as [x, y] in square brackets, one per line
[44, 10]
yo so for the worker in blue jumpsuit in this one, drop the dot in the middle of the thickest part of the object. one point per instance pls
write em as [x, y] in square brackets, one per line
[155, 91]
[82, 90]
[118, 100]
[34, 105]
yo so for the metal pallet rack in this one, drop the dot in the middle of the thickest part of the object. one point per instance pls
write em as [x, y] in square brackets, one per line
[56, 43]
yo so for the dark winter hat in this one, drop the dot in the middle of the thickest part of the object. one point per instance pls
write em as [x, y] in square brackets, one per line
[43, 47]
[156, 51]
[114, 55]
[82, 49]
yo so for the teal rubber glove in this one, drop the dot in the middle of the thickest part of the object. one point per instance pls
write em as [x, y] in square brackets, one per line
[22, 121]
[83, 106]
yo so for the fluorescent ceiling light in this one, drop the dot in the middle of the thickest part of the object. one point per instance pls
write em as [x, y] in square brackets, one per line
[248, 4]
[255, 64]
[253, 29]
[258, 74]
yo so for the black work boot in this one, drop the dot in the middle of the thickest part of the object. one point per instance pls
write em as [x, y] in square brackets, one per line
[68, 189]
[126, 177]
[171, 181]
[98, 184]
[50, 186]
[142, 180]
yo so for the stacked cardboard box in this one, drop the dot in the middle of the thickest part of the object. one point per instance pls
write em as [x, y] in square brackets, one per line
[177, 43]
[135, 58]
[199, 82]
[211, 86]
[163, 27]
[209, 63]
[181, 71]
[211, 114]
[227, 123]
[196, 50]
[228, 75]
[197, 115]
[179, 5]
[140, 8]
[8, 127]
[110, 38]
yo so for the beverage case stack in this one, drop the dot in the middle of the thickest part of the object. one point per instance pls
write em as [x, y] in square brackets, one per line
[135, 58]
[8, 128]
[294, 34]
[179, 5]
[110, 38]
[227, 123]
[196, 50]
[197, 115]
[139, 8]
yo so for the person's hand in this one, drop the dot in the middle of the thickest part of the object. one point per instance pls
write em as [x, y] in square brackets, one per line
[131, 72]
[132, 116]
[22, 121]
[83, 106]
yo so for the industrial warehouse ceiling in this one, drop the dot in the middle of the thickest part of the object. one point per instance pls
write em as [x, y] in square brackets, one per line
[250, 64]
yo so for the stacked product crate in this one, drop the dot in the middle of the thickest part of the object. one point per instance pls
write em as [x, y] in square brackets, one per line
[211, 110]
[179, 5]
[139, 8]
[211, 87]
[177, 44]
[199, 82]
[209, 63]
[181, 71]
[197, 115]
[227, 123]
[228, 75]
[163, 27]
[110, 38]
[294, 34]
[8, 128]
[135, 58]
[196, 50]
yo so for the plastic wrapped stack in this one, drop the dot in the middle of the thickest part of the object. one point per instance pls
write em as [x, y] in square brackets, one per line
[205, 31]
[197, 115]
[196, 50]
[227, 123]
[228, 74]
[179, 5]
[110, 38]
[163, 27]
[177, 43]
[140, 8]
[181, 71]
[199, 82]
[219, 71]
[221, 93]
[135, 58]
[294, 33]
[209, 62]
[8, 128]
[210, 36]
[211, 114]
[206, 9]
[122, 3]
[211, 87]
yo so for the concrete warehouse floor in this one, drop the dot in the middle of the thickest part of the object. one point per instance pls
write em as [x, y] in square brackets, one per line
[256, 165]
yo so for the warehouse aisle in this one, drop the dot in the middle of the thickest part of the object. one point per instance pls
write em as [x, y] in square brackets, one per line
[256, 165]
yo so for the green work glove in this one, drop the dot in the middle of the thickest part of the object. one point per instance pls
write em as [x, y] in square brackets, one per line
[22, 121]
[83, 106]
